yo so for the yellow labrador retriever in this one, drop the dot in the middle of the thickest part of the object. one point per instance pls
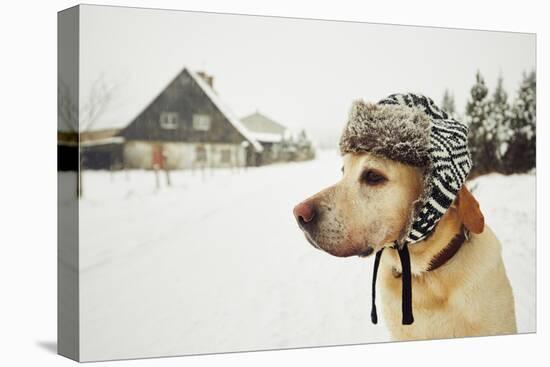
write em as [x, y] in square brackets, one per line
[458, 291]
[405, 164]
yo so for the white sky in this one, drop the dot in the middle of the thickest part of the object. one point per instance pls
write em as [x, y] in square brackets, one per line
[302, 73]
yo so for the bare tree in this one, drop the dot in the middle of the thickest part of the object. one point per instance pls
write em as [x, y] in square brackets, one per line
[67, 109]
[99, 98]
[80, 118]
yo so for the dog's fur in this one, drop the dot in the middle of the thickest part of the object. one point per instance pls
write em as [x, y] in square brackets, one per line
[469, 295]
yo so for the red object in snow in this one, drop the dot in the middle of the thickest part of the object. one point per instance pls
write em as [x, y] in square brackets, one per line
[158, 157]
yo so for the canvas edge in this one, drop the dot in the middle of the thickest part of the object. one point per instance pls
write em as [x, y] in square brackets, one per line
[68, 315]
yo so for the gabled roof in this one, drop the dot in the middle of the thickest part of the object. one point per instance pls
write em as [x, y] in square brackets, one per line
[225, 110]
[263, 128]
[258, 123]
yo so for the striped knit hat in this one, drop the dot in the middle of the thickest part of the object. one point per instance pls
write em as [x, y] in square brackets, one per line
[411, 129]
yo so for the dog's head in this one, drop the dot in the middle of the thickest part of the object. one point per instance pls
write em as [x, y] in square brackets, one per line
[369, 207]
[391, 153]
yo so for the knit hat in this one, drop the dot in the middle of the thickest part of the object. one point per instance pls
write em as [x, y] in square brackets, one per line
[411, 129]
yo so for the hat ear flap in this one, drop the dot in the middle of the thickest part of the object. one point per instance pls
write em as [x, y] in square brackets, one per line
[469, 212]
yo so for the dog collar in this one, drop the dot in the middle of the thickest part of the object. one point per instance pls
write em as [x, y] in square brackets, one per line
[442, 257]
[449, 251]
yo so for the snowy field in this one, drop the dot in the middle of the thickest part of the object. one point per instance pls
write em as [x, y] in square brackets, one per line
[216, 262]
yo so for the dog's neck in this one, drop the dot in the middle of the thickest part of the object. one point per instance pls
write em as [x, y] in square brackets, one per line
[423, 253]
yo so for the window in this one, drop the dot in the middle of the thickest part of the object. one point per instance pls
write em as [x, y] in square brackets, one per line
[201, 122]
[169, 120]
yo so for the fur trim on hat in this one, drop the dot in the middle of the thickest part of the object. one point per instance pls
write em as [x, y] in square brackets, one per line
[396, 132]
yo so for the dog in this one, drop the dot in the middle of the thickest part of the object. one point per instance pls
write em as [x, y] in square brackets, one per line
[468, 294]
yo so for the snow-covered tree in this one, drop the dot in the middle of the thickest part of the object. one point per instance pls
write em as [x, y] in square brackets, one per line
[481, 140]
[520, 155]
[500, 114]
[448, 103]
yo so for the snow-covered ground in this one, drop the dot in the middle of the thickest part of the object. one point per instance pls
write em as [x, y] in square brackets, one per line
[216, 262]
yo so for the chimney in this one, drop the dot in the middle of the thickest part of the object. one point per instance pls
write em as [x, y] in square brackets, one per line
[209, 79]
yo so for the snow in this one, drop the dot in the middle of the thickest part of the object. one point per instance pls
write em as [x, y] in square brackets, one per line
[216, 263]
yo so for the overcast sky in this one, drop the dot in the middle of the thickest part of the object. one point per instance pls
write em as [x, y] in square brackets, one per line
[302, 73]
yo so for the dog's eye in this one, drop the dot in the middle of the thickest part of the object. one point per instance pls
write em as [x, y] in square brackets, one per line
[371, 177]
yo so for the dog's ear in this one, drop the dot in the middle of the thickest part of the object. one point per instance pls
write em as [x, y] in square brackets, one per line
[469, 212]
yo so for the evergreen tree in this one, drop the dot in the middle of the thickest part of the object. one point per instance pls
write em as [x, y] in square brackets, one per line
[482, 132]
[448, 103]
[500, 116]
[521, 153]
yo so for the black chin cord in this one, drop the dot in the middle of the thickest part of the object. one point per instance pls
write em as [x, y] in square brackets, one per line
[373, 314]
[406, 291]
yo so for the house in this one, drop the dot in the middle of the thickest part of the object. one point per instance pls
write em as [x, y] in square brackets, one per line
[278, 143]
[187, 126]
[270, 134]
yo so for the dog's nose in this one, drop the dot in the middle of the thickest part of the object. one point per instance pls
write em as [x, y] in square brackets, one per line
[304, 212]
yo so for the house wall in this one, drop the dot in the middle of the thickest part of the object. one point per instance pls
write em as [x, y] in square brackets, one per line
[139, 154]
[101, 156]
